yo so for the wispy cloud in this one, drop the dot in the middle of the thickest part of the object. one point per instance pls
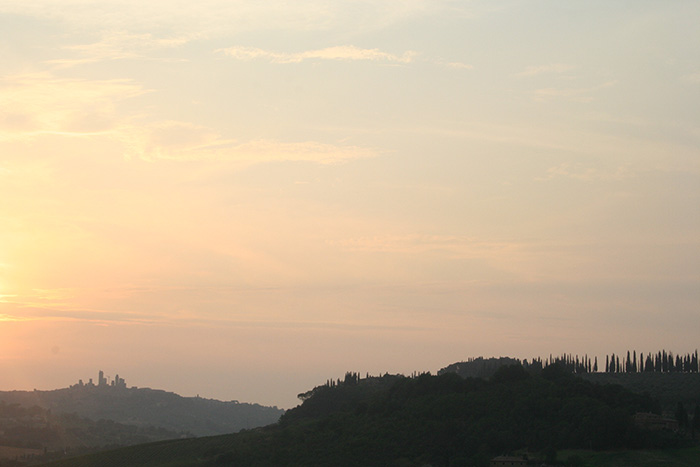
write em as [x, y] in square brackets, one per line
[691, 78]
[336, 53]
[495, 259]
[48, 300]
[219, 17]
[458, 246]
[37, 103]
[573, 94]
[185, 141]
[7, 318]
[555, 68]
[343, 53]
[118, 45]
[587, 174]
[34, 105]
[457, 65]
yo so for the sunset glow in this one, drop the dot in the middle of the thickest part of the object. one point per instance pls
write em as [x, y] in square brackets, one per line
[242, 199]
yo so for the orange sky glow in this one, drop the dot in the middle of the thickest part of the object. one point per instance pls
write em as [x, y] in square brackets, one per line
[243, 199]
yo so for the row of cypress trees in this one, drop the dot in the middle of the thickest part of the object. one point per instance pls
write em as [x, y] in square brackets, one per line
[661, 362]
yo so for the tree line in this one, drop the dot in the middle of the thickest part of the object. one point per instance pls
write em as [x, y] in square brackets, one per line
[660, 362]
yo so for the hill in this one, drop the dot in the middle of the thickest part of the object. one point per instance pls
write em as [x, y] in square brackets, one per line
[36, 430]
[479, 367]
[668, 388]
[437, 420]
[143, 407]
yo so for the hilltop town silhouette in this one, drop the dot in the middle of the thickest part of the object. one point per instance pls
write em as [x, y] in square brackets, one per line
[110, 399]
[102, 382]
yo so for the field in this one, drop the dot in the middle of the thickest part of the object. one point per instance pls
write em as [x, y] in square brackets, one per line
[688, 457]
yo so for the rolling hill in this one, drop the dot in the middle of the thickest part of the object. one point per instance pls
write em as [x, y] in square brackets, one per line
[431, 420]
[149, 407]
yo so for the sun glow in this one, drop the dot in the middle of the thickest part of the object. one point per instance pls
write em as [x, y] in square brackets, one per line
[306, 180]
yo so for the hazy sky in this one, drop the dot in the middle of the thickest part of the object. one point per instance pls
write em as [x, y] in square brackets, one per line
[242, 199]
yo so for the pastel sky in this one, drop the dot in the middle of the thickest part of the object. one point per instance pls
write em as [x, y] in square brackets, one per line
[241, 199]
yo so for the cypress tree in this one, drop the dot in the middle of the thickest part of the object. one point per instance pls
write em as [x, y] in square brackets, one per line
[628, 363]
[649, 363]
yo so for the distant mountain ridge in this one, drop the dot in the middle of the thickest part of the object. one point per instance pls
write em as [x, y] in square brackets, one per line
[148, 407]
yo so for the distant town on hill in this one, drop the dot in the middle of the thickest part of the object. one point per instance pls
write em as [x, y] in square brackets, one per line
[117, 382]
[144, 407]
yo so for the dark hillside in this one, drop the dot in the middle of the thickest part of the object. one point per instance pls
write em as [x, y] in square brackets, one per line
[668, 388]
[479, 367]
[438, 420]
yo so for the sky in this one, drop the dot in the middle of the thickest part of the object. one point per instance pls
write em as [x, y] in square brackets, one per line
[242, 199]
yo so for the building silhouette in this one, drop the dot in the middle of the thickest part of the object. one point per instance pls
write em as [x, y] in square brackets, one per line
[103, 382]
